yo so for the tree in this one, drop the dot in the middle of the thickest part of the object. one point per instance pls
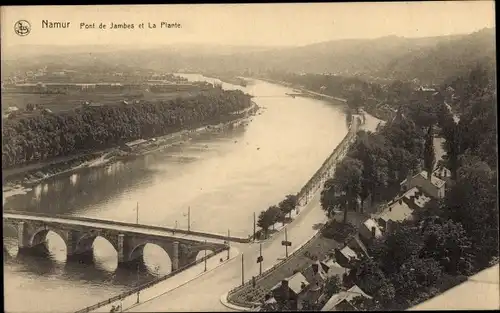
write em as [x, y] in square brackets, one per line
[429, 155]
[288, 204]
[332, 286]
[400, 245]
[416, 279]
[265, 220]
[368, 275]
[356, 100]
[371, 150]
[472, 202]
[344, 188]
[275, 214]
[42, 137]
[447, 243]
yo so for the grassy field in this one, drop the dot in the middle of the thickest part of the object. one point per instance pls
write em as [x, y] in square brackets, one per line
[65, 102]
[320, 247]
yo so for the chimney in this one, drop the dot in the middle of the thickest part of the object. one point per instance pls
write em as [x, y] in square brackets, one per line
[285, 289]
[408, 181]
[373, 232]
[388, 227]
[315, 268]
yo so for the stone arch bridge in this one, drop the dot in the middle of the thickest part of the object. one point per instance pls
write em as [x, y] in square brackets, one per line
[128, 239]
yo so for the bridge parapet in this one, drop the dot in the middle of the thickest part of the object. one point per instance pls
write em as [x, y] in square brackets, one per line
[129, 245]
[191, 232]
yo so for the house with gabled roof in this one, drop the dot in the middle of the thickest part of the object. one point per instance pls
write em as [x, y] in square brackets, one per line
[434, 187]
[342, 301]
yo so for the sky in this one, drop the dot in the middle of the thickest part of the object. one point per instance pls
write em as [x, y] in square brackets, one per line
[293, 24]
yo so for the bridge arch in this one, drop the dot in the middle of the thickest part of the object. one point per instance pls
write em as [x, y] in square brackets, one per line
[40, 234]
[155, 257]
[86, 242]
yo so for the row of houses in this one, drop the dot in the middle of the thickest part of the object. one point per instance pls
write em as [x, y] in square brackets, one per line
[417, 193]
[308, 286]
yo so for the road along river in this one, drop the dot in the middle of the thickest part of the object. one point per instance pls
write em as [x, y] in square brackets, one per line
[222, 177]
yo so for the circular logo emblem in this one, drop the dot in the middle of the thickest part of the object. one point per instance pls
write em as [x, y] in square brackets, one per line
[22, 27]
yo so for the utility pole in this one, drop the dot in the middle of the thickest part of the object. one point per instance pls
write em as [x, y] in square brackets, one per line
[286, 246]
[137, 214]
[254, 225]
[286, 243]
[242, 271]
[205, 256]
[228, 243]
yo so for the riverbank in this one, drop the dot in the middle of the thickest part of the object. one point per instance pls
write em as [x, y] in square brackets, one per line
[20, 180]
[233, 80]
[381, 113]
[302, 91]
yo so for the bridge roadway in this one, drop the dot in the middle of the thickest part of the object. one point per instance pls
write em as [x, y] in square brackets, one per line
[125, 227]
[129, 240]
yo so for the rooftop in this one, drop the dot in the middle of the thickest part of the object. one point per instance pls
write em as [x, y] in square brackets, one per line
[312, 277]
[348, 295]
[397, 212]
[434, 180]
[294, 282]
[416, 196]
[370, 223]
[442, 172]
[335, 269]
[348, 252]
[479, 292]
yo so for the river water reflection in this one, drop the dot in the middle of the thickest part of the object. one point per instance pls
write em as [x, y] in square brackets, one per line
[223, 177]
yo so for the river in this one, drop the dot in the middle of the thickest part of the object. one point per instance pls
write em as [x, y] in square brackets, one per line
[222, 177]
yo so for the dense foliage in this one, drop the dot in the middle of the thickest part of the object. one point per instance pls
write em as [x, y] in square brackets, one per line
[44, 136]
[376, 163]
[450, 241]
[460, 237]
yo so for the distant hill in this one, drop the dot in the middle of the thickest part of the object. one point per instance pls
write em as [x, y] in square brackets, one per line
[431, 60]
[450, 57]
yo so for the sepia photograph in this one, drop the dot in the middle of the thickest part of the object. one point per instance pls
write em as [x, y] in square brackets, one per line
[250, 157]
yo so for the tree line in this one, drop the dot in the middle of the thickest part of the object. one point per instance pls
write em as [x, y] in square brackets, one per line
[276, 213]
[35, 138]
